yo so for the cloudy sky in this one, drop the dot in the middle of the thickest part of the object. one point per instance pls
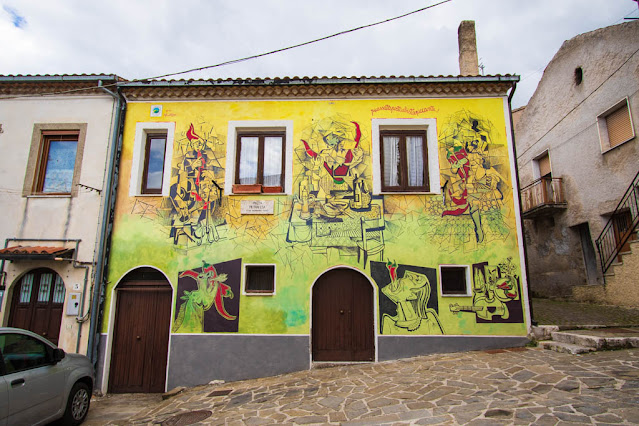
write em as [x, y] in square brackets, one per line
[141, 39]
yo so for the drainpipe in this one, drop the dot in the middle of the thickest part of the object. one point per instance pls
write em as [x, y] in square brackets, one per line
[106, 225]
[521, 220]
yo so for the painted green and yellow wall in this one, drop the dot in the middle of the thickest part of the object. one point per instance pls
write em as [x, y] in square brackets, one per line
[199, 229]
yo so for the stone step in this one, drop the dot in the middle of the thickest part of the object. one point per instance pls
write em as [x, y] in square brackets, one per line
[596, 342]
[567, 348]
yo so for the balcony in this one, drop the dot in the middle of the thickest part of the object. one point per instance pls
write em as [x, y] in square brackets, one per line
[543, 197]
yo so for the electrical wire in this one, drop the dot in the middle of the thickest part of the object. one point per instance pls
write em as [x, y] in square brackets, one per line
[235, 61]
[579, 103]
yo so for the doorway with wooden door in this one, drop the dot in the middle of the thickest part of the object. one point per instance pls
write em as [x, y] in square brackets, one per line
[141, 333]
[37, 303]
[343, 328]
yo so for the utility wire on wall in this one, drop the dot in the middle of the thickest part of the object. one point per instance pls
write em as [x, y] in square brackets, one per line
[247, 58]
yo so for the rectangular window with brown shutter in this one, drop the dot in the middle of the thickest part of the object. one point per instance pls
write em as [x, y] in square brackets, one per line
[259, 279]
[615, 126]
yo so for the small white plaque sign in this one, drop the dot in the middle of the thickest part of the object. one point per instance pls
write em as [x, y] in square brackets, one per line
[257, 206]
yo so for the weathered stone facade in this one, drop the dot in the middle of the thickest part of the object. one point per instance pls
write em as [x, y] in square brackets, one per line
[561, 132]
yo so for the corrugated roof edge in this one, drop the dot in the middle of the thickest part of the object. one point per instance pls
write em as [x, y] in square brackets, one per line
[58, 78]
[322, 80]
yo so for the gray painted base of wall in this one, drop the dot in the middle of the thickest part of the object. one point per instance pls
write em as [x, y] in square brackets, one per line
[396, 347]
[198, 359]
[99, 368]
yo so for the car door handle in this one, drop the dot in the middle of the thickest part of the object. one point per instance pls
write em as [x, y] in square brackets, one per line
[17, 382]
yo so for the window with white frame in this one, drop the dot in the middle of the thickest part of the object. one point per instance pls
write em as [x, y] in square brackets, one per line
[454, 280]
[615, 125]
[405, 156]
[152, 153]
[259, 279]
[259, 157]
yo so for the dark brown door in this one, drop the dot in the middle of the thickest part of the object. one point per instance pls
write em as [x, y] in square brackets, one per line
[622, 226]
[141, 337]
[343, 328]
[37, 303]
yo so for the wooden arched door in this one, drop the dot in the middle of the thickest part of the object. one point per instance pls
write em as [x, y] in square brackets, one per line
[343, 317]
[37, 303]
[141, 333]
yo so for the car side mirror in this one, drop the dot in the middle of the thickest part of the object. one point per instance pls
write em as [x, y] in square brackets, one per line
[58, 355]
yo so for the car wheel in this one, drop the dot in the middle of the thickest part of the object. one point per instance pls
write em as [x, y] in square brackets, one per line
[77, 405]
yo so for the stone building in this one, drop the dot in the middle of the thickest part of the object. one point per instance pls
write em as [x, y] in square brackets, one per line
[263, 225]
[578, 159]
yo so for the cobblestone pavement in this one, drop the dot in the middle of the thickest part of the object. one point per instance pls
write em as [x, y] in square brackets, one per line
[562, 312]
[516, 386]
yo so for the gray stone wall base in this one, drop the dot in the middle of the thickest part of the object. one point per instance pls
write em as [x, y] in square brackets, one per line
[199, 359]
[396, 347]
[99, 367]
[202, 358]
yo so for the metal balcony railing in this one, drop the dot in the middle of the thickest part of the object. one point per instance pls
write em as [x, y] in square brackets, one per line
[621, 227]
[544, 192]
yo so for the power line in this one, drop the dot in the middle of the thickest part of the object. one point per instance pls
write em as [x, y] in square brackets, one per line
[247, 58]
[235, 61]
[579, 103]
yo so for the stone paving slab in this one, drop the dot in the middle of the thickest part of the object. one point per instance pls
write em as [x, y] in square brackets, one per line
[529, 386]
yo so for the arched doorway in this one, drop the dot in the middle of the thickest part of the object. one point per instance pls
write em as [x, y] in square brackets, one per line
[37, 303]
[343, 317]
[141, 333]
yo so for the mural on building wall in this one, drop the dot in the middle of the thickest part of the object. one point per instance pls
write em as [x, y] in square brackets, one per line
[496, 294]
[209, 298]
[194, 204]
[407, 299]
[473, 186]
[333, 208]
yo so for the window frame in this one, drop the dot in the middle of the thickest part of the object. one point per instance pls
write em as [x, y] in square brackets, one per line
[46, 361]
[260, 159]
[244, 127]
[41, 138]
[536, 163]
[403, 161]
[444, 293]
[431, 162]
[142, 131]
[144, 189]
[602, 125]
[245, 280]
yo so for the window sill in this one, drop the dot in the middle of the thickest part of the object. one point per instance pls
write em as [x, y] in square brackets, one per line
[616, 146]
[148, 195]
[50, 196]
[257, 189]
[456, 295]
[259, 293]
[407, 193]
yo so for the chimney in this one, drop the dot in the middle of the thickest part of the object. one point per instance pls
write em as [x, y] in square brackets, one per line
[468, 63]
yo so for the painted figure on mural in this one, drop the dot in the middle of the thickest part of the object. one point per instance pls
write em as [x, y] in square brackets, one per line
[473, 186]
[410, 293]
[195, 194]
[340, 151]
[211, 291]
[495, 289]
[334, 211]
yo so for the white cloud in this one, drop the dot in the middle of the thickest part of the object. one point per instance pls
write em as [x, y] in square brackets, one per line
[138, 39]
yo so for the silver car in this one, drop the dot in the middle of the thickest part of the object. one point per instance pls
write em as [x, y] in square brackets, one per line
[40, 383]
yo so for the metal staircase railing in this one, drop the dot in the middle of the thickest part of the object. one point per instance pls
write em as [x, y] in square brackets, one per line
[621, 227]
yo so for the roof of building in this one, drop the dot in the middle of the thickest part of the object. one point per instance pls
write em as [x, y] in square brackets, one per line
[35, 252]
[319, 87]
[56, 84]
[79, 84]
